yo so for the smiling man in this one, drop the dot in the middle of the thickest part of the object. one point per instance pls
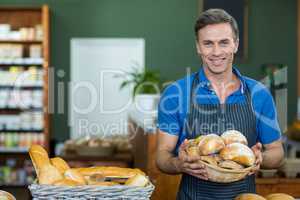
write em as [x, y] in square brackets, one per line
[215, 99]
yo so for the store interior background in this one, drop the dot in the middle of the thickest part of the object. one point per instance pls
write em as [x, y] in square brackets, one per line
[167, 27]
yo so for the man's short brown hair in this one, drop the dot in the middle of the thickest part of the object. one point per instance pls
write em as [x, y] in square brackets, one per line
[216, 16]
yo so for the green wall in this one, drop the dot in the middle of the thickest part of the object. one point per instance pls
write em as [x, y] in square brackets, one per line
[167, 26]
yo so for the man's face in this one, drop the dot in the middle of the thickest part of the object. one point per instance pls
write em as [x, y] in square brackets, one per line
[216, 45]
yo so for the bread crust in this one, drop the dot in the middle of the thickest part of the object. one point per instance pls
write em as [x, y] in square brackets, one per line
[233, 136]
[210, 144]
[279, 196]
[239, 153]
[249, 196]
[60, 164]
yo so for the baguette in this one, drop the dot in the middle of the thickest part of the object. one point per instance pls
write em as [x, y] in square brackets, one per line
[114, 172]
[60, 164]
[39, 158]
[48, 174]
[66, 182]
[137, 181]
[75, 176]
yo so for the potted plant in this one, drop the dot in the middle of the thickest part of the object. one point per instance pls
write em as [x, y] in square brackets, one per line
[146, 87]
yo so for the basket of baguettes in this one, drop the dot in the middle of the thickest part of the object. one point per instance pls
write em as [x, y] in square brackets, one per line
[227, 157]
[56, 180]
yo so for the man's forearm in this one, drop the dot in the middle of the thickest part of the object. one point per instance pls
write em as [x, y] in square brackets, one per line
[167, 162]
[272, 158]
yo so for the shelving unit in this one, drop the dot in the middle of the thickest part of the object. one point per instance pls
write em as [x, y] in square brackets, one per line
[26, 39]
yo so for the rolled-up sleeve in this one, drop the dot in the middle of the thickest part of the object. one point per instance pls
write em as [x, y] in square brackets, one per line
[168, 116]
[267, 121]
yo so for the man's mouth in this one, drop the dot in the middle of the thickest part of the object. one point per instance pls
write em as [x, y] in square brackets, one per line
[217, 61]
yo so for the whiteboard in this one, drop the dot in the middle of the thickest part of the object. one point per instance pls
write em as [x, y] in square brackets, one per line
[96, 104]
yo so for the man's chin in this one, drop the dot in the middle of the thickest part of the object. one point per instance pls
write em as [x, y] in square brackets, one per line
[217, 70]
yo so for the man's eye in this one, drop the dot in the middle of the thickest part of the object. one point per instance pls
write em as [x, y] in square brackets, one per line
[224, 43]
[207, 43]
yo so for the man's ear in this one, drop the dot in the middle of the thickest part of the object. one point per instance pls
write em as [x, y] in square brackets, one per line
[236, 45]
[198, 47]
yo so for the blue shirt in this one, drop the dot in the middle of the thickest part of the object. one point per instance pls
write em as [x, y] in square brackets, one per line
[174, 105]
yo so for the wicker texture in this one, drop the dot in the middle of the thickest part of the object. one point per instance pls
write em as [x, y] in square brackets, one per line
[91, 192]
[221, 175]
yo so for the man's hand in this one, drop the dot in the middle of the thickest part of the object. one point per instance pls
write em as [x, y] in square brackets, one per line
[257, 150]
[189, 164]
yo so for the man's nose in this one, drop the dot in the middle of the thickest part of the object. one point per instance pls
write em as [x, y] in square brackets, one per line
[216, 51]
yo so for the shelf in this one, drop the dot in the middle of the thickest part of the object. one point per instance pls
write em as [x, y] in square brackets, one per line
[21, 61]
[3, 65]
[36, 86]
[18, 17]
[5, 111]
[13, 149]
[21, 131]
[22, 41]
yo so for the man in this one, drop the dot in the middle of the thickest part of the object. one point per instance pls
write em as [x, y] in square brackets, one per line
[215, 99]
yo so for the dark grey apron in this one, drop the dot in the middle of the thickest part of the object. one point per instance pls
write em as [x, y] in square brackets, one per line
[215, 118]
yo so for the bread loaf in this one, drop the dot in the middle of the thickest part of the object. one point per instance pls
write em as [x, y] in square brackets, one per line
[249, 196]
[60, 164]
[117, 172]
[239, 153]
[233, 136]
[39, 158]
[210, 144]
[137, 180]
[75, 176]
[48, 174]
[67, 182]
[279, 196]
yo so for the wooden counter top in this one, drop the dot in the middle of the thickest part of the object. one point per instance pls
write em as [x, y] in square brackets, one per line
[290, 186]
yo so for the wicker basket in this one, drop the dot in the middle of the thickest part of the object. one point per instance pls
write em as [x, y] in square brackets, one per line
[118, 192]
[221, 175]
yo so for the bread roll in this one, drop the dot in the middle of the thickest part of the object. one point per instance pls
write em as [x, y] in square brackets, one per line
[60, 164]
[48, 174]
[233, 136]
[210, 144]
[118, 172]
[67, 182]
[249, 196]
[6, 196]
[137, 180]
[75, 176]
[39, 158]
[279, 196]
[239, 153]
[229, 164]
[94, 179]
